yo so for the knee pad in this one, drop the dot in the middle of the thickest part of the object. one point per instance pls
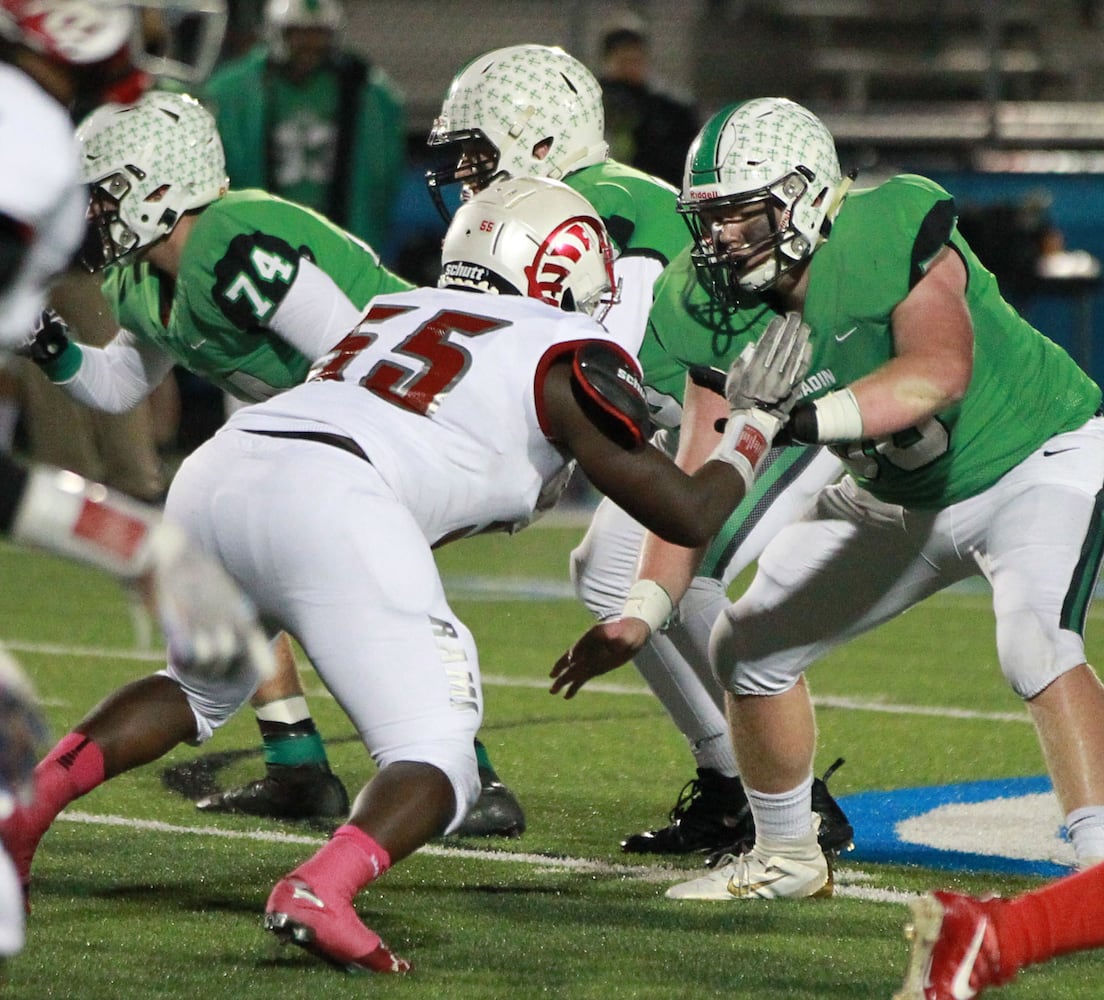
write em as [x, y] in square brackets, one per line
[740, 668]
[1033, 655]
[724, 651]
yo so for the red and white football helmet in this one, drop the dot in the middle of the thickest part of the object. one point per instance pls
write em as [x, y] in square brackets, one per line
[118, 46]
[535, 237]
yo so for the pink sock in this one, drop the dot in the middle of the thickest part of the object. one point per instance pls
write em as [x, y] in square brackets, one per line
[72, 769]
[346, 864]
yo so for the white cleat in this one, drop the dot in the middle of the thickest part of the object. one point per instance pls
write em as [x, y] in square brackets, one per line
[760, 876]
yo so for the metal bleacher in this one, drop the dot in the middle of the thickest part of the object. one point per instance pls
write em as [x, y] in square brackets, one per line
[943, 73]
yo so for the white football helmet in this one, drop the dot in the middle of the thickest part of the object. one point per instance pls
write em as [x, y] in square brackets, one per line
[770, 153]
[147, 164]
[534, 110]
[279, 15]
[535, 237]
[143, 35]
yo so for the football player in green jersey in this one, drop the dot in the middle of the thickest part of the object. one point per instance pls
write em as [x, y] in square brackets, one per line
[244, 289]
[534, 110]
[304, 115]
[973, 446]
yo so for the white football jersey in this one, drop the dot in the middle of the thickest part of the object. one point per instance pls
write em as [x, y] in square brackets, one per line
[440, 389]
[41, 188]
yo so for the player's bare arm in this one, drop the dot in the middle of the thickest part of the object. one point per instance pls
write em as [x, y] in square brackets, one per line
[759, 386]
[671, 567]
[687, 509]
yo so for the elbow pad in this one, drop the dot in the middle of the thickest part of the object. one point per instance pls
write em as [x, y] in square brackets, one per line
[607, 385]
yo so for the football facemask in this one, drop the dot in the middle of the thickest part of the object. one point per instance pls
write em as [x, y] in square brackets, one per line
[766, 151]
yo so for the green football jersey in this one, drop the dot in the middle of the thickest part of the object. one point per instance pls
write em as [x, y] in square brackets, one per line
[302, 137]
[238, 264]
[640, 211]
[686, 328]
[1024, 388]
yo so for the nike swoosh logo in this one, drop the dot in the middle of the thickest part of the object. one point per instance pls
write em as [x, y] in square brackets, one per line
[301, 892]
[960, 985]
[841, 337]
[752, 888]
[1057, 451]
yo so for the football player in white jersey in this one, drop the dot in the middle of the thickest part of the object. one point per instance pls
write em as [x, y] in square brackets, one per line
[233, 286]
[53, 55]
[443, 414]
[536, 111]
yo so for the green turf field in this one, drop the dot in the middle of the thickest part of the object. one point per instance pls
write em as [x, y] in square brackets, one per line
[138, 896]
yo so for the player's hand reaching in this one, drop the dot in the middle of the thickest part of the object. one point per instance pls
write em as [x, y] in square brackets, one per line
[766, 374]
[761, 390]
[210, 627]
[603, 648]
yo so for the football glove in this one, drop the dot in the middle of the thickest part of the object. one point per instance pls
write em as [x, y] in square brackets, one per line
[210, 627]
[760, 388]
[47, 341]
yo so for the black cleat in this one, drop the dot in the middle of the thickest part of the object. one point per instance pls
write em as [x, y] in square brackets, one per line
[306, 791]
[711, 813]
[496, 813]
[835, 832]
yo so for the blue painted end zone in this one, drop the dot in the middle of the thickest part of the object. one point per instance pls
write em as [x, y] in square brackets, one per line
[875, 816]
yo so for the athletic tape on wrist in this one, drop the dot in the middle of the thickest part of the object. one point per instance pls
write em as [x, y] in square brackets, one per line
[838, 417]
[649, 602]
[67, 514]
[746, 440]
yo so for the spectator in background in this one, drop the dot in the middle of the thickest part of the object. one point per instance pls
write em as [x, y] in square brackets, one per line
[645, 126]
[302, 117]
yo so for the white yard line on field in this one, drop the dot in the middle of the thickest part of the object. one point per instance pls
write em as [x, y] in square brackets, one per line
[850, 883]
[533, 683]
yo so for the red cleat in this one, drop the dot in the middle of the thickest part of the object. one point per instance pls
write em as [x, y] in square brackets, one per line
[955, 953]
[331, 930]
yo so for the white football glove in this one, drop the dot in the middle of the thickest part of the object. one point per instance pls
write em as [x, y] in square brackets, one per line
[760, 389]
[210, 626]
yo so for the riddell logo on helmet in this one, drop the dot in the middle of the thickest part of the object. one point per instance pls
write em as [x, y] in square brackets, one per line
[557, 257]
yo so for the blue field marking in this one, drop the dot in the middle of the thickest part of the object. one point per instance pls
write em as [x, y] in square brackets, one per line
[1009, 825]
